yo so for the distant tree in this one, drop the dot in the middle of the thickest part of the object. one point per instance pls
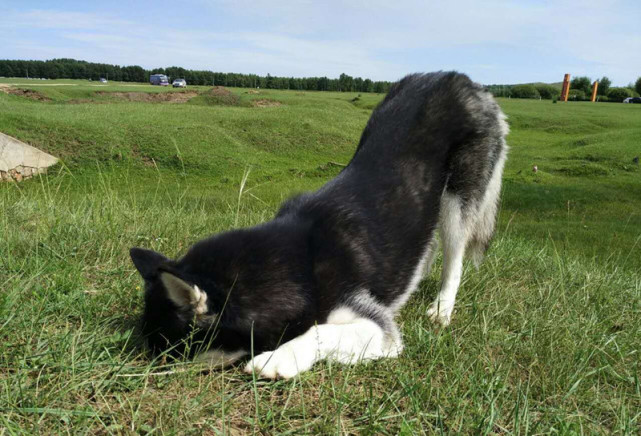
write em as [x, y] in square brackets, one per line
[323, 84]
[269, 82]
[525, 91]
[577, 95]
[346, 83]
[619, 94]
[73, 69]
[637, 86]
[548, 92]
[581, 82]
[379, 87]
[358, 84]
[5, 69]
[604, 86]
[367, 85]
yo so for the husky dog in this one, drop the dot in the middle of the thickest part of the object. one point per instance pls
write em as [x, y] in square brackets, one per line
[326, 277]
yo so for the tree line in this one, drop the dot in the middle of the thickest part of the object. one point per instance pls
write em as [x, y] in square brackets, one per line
[580, 90]
[580, 87]
[75, 69]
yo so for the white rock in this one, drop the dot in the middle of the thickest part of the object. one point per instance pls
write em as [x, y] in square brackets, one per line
[16, 155]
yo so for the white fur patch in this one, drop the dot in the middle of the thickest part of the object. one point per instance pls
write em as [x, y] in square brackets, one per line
[505, 127]
[454, 235]
[201, 305]
[345, 342]
[485, 220]
[342, 315]
[363, 301]
[183, 295]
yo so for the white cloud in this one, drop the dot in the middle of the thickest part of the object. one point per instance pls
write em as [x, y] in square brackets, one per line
[51, 19]
[494, 40]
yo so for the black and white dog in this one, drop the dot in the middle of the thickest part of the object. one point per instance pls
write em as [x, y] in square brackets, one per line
[326, 277]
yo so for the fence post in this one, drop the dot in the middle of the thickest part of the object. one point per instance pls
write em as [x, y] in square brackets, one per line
[566, 88]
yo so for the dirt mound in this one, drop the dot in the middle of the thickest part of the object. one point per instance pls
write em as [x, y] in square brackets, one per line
[221, 96]
[263, 102]
[219, 90]
[27, 93]
[151, 97]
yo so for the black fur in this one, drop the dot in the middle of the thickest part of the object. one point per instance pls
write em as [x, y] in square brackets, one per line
[367, 229]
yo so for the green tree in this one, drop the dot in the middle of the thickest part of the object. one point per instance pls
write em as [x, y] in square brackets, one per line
[358, 84]
[577, 95]
[346, 83]
[379, 87]
[525, 91]
[583, 83]
[548, 92]
[604, 86]
[637, 86]
[64, 68]
[619, 94]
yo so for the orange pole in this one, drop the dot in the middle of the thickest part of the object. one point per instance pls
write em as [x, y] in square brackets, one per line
[595, 86]
[565, 91]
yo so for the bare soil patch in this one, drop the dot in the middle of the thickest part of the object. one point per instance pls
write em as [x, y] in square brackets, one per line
[151, 97]
[221, 96]
[263, 102]
[27, 93]
[147, 161]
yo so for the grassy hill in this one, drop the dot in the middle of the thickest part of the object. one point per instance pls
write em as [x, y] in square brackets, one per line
[546, 334]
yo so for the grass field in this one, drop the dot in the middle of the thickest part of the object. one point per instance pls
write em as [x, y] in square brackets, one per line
[545, 339]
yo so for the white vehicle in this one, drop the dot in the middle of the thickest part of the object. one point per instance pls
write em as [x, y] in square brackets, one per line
[179, 83]
[103, 80]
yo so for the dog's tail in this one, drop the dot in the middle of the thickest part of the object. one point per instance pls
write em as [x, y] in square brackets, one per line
[476, 173]
[483, 223]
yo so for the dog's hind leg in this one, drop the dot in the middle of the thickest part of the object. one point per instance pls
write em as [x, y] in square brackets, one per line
[454, 235]
[432, 251]
[470, 202]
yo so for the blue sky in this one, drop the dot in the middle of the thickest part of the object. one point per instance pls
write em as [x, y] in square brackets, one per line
[494, 41]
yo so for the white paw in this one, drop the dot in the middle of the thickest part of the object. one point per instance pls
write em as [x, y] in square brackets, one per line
[440, 313]
[281, 363]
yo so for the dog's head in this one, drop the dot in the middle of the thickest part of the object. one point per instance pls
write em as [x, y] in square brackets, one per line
[176, 305]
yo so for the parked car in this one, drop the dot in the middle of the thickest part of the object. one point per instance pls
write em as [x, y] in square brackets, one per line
[159, 79]
[103, 80]
[179, 83]
[635, 100]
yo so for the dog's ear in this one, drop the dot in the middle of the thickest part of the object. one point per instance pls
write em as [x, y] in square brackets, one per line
[183, 294]
[146, 262]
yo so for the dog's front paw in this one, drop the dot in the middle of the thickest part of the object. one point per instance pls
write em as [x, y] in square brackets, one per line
[281, 363]
[440, 313]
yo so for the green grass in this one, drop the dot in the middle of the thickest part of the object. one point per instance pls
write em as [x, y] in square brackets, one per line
[545, 338]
